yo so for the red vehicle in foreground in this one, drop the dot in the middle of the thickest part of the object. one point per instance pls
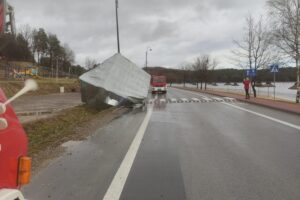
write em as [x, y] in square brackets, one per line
[15, 166]
[158, 84]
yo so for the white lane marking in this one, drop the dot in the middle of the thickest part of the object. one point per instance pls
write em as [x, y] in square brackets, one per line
[116, 187]
[265, 116]
[217, 99]
[184, 99]
[173, 100]
[206, 99]
[195, 100]
[229, 98]
[163, 100]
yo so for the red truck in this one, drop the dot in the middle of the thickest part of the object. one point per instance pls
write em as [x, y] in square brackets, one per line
[158, 84]
[15, 165]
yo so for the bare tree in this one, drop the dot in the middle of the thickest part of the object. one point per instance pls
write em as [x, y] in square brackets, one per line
[286, 30]
[90, 63]
[27, 32]
[40, 43]
[213, 66]
[197, 72]
[69, 57]
[254, 51]
[186, 68]
[202, 67]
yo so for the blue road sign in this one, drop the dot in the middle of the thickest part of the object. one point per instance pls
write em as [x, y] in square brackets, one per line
[248, 72]
[274, 68]
[251, 72]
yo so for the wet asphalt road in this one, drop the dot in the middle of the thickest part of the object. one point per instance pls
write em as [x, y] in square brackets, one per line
[190, 150]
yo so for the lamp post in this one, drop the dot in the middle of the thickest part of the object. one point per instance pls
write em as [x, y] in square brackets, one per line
[117, 23]
[148, 49]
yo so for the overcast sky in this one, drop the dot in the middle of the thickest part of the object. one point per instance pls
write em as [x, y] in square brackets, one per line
[176, 30]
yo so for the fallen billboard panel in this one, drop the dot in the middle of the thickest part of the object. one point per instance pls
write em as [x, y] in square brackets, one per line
[116, 81]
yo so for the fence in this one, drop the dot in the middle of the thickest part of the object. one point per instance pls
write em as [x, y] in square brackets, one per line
[10, 71]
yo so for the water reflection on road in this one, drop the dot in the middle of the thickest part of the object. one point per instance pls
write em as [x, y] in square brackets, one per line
[159, 101]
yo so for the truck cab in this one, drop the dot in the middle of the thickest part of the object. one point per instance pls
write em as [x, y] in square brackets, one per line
[14, 163]
[158, 84]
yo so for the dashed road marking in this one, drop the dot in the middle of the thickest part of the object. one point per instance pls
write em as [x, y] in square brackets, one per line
[163, 101]
[217, 99]
[202, 99]
[173, 100]
[206, 99]
[229, 99]
[184, 100]
[195, 100]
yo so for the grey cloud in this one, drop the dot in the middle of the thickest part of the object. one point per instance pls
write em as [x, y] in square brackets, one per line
[177, 30]
[160, 30]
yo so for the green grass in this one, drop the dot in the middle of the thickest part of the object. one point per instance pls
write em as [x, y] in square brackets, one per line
[54, 131]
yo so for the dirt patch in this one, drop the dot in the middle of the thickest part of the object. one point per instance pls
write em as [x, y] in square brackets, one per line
[47, 135]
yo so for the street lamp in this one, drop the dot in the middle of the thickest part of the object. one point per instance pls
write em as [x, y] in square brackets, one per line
[117, 23]
[148, 49]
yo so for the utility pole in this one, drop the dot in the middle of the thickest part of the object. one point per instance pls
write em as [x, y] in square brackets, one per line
[117, 22]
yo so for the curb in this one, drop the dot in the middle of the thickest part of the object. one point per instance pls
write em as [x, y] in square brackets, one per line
[242, 100]
[33, 113]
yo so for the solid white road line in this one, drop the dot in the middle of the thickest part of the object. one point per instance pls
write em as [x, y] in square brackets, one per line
[116, 187]
[264, 116]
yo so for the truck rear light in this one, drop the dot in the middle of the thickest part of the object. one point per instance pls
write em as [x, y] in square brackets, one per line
[24, 170]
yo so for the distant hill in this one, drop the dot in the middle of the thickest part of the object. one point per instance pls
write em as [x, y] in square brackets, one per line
[288, 74]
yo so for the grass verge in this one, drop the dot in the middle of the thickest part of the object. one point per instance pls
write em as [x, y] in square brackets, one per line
[46, 135]
[46, 86]
[68, 125]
